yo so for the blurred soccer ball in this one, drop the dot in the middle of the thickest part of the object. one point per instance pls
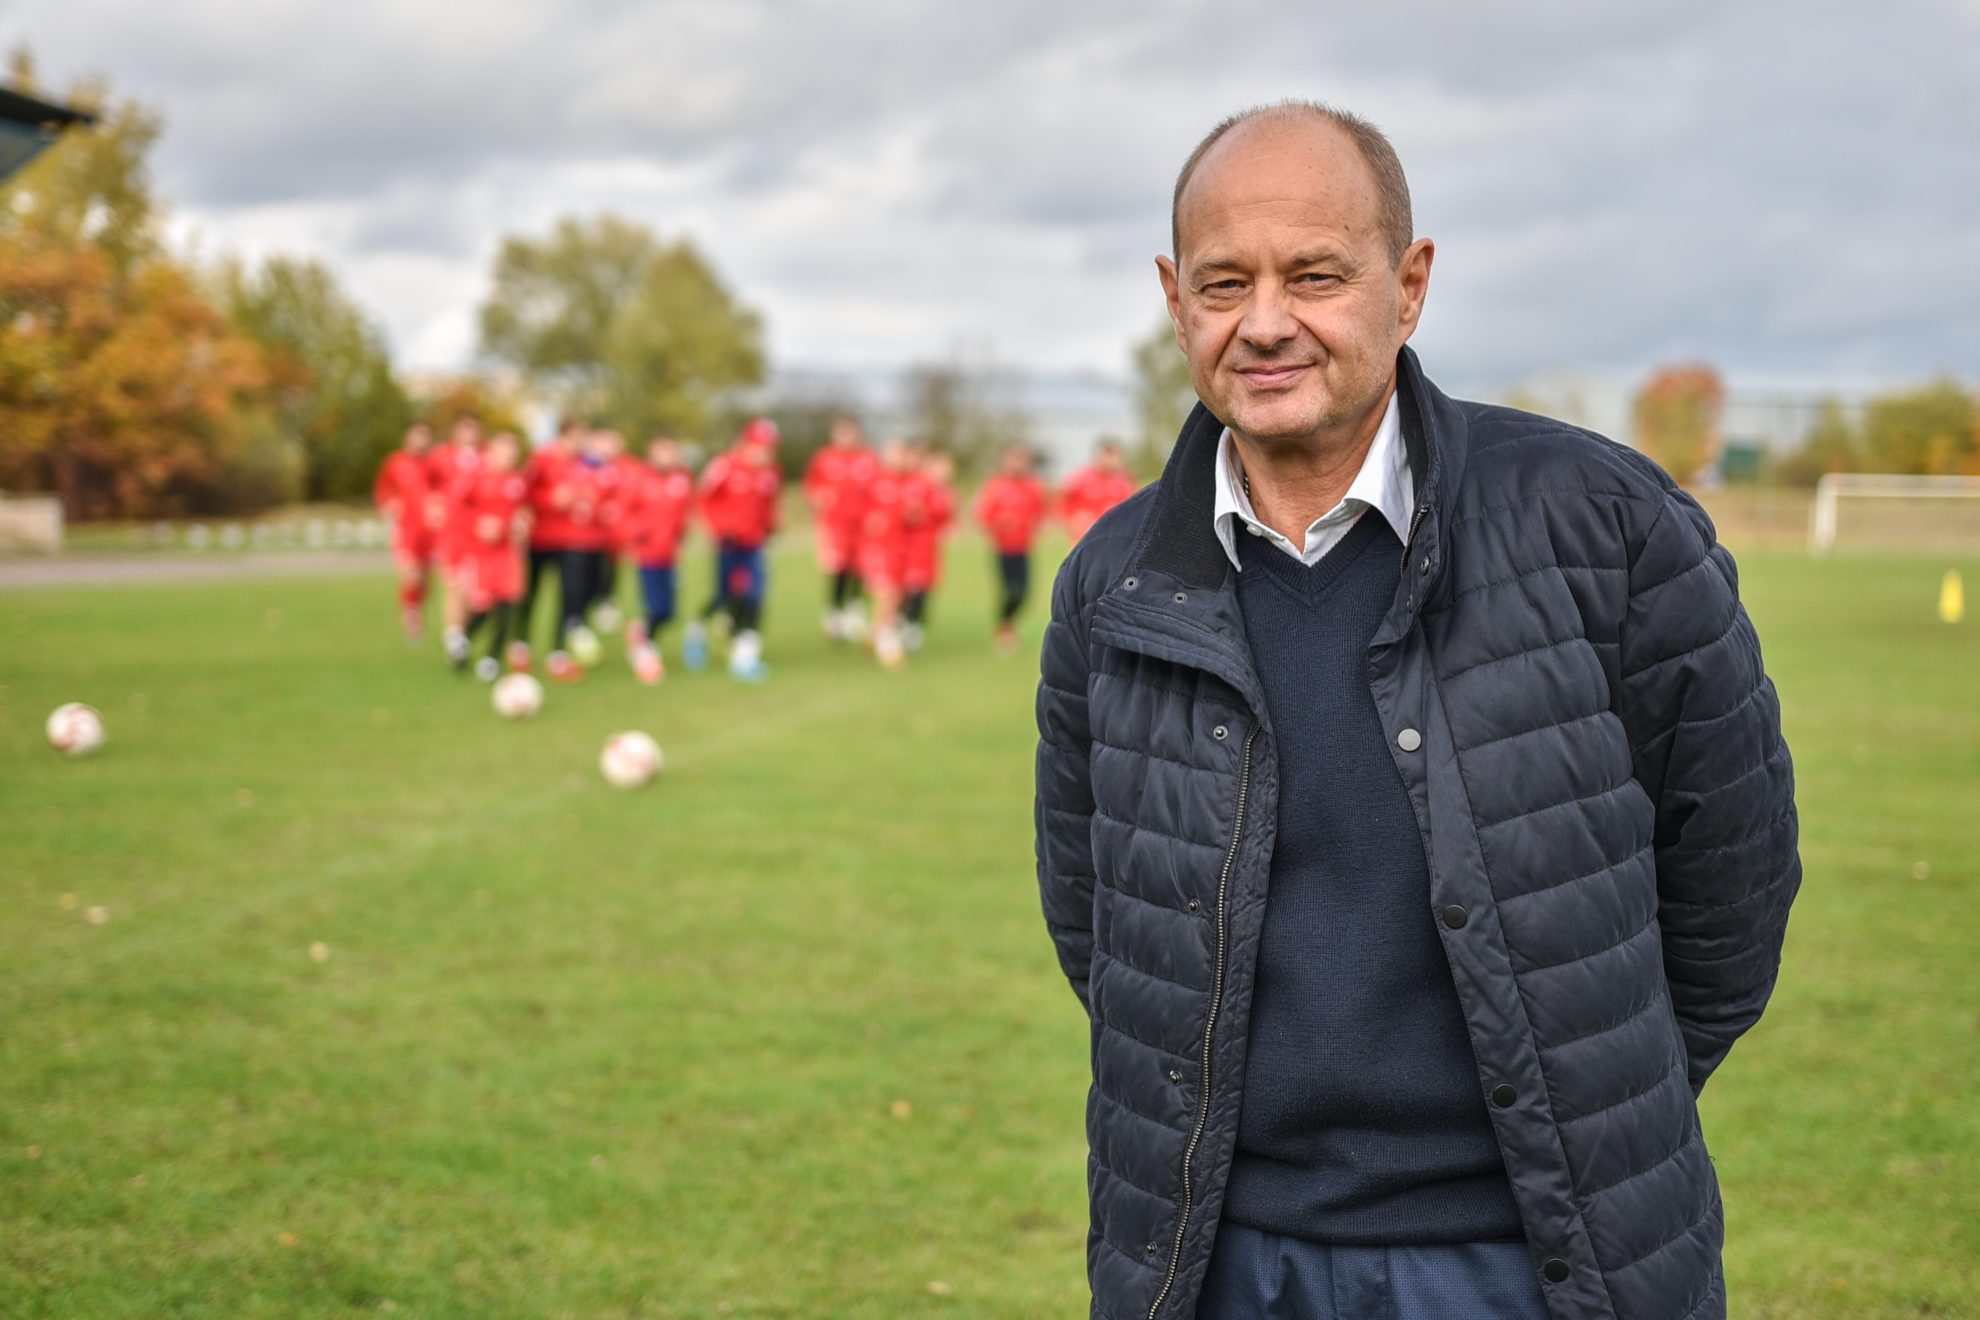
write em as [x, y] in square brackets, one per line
[585, 648]
[517, 696]
[75, 729]
[630, 760]
[605, 616]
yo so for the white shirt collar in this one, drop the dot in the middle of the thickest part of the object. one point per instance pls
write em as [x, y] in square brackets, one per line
[1383, 484]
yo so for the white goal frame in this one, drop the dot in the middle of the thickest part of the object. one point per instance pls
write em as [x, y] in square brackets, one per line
[1830, 490]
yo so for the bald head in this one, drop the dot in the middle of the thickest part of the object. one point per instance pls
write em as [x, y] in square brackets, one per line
[1324, 131]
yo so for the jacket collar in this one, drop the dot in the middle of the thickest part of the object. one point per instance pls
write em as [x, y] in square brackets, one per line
[1178, 540]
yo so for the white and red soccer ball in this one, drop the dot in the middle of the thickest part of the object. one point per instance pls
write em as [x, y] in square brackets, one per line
[75, 729]
[516, 696]
[630, 760]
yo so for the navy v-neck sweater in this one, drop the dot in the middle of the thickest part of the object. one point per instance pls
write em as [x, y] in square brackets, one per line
[1364, 1117]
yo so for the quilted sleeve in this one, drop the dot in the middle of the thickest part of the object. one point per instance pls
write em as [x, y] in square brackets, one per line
[1705, 731]
[1063, 809]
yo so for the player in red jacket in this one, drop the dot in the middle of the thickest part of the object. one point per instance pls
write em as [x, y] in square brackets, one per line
[835, 483]
[659, 495]
[883, 547]
[449, 468]
[738, 500]
[1094, 489]
[547, 475]
[1009, 509]
[930, 505]
[494, 516]
[400, 494]
[614, 472]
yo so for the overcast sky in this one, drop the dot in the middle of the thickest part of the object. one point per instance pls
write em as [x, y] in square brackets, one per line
[1786, 186]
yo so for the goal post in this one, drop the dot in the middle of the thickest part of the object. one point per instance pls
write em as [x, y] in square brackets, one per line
[1894, 490]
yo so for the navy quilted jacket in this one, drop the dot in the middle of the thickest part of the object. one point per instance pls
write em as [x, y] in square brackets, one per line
[1577, 707]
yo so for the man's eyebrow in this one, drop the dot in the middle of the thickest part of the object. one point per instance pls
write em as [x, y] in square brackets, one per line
[1320, 256]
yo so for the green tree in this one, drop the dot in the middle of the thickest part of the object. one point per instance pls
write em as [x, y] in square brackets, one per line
[1926, 431]
[1677, 418]
[335, 389]
[1163, 396]
[92, 187]
[1832, 446]
[677, 345]
[964, 411]
[610, 321]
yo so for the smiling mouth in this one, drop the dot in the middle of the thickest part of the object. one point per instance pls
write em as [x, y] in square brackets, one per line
[1273, 377]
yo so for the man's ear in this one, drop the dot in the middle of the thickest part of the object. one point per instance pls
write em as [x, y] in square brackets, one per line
[1172, 291]
[1413, 284]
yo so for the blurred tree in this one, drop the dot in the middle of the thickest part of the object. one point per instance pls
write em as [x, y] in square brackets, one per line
[123, 389]
[677, 345]
[804, 418]
[1677, 419]
[1163, 396]
[93, 186]
[127, 396]
[1926, 431]
[441, 401]
[964, 411]
[611, 322]
[1832, 446]
[334, 386]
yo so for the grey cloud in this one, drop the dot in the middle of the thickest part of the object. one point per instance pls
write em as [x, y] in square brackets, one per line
[1774, 182]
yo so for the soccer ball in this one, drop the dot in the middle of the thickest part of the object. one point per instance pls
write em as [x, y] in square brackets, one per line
[585, 648]
[630, 760]
[517, 696]
[75, 729]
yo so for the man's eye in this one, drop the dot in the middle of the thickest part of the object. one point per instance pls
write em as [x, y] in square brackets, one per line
[1223, 286]
[1316, 279]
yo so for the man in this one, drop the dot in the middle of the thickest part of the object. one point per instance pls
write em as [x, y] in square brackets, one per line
[1413, 816]
[614, 472]
[450, 468]
[493, 505]
[1092, 490]
[654, 519]
[1009, 509]
[738, 500]
[883, 548]
[547, 475]
[400, 494]
[835, 483]
[930, 504]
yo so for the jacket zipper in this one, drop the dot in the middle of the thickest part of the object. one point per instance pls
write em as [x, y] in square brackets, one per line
[1209, 1026]
[1409, 542]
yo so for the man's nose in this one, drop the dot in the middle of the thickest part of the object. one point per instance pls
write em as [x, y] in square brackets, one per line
[1268, 319]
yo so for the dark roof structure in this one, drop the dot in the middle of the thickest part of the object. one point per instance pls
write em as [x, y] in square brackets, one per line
[28, 125]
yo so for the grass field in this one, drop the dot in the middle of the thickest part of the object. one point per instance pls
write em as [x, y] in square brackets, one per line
[781, 1035]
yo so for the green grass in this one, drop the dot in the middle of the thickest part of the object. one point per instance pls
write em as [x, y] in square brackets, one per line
[583, 1053]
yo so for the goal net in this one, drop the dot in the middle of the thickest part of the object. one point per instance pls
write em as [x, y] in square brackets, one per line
[1866, 511]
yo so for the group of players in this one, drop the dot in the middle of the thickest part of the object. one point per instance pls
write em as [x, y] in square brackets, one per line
[492, 523]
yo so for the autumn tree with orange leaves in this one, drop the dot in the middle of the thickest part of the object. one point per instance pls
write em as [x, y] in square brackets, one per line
[125, 394]
[1677, 419]
[121, 388]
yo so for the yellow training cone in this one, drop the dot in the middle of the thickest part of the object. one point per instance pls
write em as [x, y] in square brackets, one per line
[1952, 597]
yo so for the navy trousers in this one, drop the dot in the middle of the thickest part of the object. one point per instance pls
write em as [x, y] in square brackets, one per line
[1263, 1276]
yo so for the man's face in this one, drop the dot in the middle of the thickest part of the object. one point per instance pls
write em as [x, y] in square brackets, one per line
[466, 432]
[1017, 462]
[1108, 459]
[845, 432]
[419, 439]
[502, 450]
[1283, 295]
[664, 453]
